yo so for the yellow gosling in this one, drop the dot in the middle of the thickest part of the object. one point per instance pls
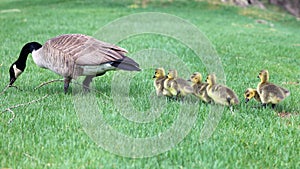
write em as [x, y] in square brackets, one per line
[269, 92]
[199, 87]
[251, 93]
[159, 79]
[219, 93]
[177, 86]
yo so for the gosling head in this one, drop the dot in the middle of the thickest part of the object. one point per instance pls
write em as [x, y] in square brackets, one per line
[159, 73]
[249, 94]
[196, 78]
[172, 74]
[211, 79]
[263, 75]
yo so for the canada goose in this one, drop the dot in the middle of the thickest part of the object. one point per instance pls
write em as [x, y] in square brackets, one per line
[160, 77]
[73, 55]
[251, 93]
[219, 93]
[199, 87]
[177, 86]
[269, 92]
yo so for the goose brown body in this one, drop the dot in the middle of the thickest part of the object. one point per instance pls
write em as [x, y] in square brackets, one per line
[69, 55]
[73, 55]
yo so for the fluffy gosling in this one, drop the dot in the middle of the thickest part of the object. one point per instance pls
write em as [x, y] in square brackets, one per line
[269, 92]
[177, 86]
[219, 93]
[251, 93]
[199, 87]
[160, 77]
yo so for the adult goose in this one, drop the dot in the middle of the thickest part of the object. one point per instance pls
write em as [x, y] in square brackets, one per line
[73, 55]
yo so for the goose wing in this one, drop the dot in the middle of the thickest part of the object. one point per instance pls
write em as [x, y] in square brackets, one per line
[86, 50]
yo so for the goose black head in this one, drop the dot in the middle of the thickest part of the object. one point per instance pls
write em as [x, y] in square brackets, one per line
[18, 67]
[14, 73]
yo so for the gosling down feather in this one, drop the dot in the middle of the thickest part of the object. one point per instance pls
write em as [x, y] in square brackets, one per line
[200, 87]
[219, 93]
[177, 86]
[73, 55]
[269, 92]
[159, 79]
[251, 93]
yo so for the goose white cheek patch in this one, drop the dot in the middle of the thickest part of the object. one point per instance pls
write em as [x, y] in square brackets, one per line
[17, 71]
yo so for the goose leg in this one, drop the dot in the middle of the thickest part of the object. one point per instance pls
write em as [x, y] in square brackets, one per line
[67, 81]
[86, 83]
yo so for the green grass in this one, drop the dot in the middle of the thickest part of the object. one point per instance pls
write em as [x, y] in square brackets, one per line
[49, 133]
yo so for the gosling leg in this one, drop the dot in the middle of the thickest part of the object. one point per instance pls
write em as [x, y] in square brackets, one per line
[273, 106]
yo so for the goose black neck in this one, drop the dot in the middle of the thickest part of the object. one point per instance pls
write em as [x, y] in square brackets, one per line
[27, 48]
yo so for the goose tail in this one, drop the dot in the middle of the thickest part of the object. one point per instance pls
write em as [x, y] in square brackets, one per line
[126, 63]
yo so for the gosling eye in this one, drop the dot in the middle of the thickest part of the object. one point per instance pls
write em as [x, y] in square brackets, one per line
[247, 95]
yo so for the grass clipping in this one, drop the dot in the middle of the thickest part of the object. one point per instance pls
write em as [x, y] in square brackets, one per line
[9, 109]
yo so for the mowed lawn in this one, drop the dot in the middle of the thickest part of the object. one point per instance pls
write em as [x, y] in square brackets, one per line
[49, 132]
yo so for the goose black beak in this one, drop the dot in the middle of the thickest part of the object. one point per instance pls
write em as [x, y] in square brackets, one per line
[12, 80]
[246, 100]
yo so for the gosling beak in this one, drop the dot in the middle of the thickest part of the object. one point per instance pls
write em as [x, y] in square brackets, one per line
[246, 100]
[189, 80]
[257, 76]
[154, 76]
